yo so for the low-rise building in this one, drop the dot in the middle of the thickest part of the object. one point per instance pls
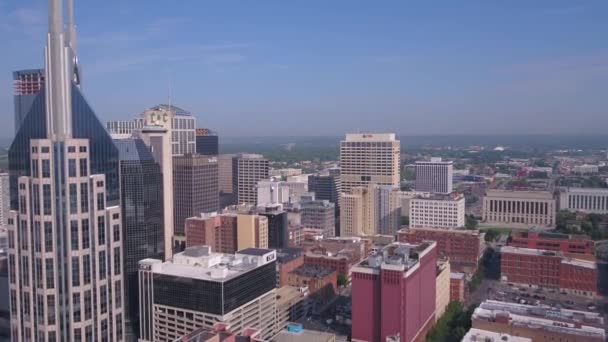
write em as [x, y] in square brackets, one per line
[340, 262]
[296, 333]
[319, 215]
[478, 335]
[548, 269]
[580, 245]
[322, 282]
[520, 209]
[288, 259]
[457, 287]
[437, 211]
[442, 287]
[538, 323]
[587, 200]
[464, 248]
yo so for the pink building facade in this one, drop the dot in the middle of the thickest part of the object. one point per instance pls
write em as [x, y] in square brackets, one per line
[394, 293]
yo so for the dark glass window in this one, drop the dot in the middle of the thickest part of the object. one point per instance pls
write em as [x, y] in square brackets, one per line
[116, 260]
[75, 271]
[25, 271]
[102, 265]
[116, 232]
[46, 168]
[76, 304]
[83, 167]
[88, 312]
[82, 149]
[72, 168]
[50, 304]
[86, 269]
[86, 237]
[50, 273]
[103, 299]
[71, 149]
[37, 236]
[44, 149]
[101, 230]
[74, 234]
[48, 236]
[46, 199]
[35, 173]
[36, 198]
[100, 201]
[84, 197]
[117, 294]
[73, 198]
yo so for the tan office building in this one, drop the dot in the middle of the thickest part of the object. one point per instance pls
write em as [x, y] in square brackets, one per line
[369, 158]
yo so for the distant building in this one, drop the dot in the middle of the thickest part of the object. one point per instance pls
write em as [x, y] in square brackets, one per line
[369, 158]
[319, 215]
[585, 169]
[288, 259]
[536, 324]
[228, 232]
[439, 211]
[272, 192]
[588, 200]
[434, 176]
[207, 142]
[123, 129]
[580, 245]
[285, 172]
[528, 267]
[180, 122]
[326, 187]
[320, 281]
[519, 208]
[207, 288]
[394, 293]
[278, 227]
[464, 248]
[227, 195]
[5, 199]
[247, 171]
[195, 182]
[457, 287]
[303, 335]
[141, 188]
[442, 287]
[27, 85]
[369, 210]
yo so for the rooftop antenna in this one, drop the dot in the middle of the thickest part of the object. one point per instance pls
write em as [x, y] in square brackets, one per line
[71, 43]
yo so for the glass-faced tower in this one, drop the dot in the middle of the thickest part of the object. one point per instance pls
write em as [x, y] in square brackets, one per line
[65, 254]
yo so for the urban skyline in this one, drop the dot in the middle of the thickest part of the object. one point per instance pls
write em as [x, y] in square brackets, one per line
[488, 63]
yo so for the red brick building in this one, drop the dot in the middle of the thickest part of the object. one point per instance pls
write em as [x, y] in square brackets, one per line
[548, 269]
[463, 247]
[322, 282]
[457, 287]
[574, 244]
[394, 293]
[200, 231]
[288, 259]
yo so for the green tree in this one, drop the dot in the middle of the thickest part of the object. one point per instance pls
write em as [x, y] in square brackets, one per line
[342, 280]
[470, 222]
[405, 220]
[491, 235]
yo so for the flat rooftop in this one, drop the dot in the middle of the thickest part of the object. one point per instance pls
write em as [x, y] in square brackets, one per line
[520, 194]
[603, 191]
[304, 336]
[478, 335]
[313, 271]
[200, 263]
[397, 255]
[563, 321]
[365, 137]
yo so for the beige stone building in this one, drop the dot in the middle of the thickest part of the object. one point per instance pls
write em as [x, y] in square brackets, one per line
[521, 209]
[442, 287]
[369, 210]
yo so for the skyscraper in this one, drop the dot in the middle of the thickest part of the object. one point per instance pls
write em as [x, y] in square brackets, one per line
[5, 199]
[65, 239]
[369, 210]
[141, 190]
[180, 122]
[247, 170]
[195, 189]
[434, 176]
[28, 84]
[325, 186]
[369, 158]
[207, 142]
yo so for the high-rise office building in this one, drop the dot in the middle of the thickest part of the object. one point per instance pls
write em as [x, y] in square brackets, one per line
[195, 188]
[278, 226]
[5, 199]
[326, 187]
[227, 196]
[369, 158]
[319, 215]
[247, 171]
[180, 122]
[437, 211]
[394, 293]
[141, 190]
[207, 142]
[200, 288]
[272, 192]
[65, 240]
[28, 84]
[434, 176]
[369, 210]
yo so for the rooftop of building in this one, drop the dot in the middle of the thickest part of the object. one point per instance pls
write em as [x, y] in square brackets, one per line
[133, 149]
[402, 256]
[204, 132]
[541, 252]
[365, 137]
[313, 271]
[525, 194]
[441, 231]
[542, 234]
[602, 191]
[285, 255]
[457, 275]
[288, 295]
[317, 204]
[563, 321]
[200, 263]
[295, 334]
[454, 196]
[478, 335]
[434, 160]
[171, 108]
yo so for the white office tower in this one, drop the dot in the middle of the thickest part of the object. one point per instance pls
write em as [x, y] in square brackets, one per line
[369, 158]
[4, 199]
[434, 176]
[65, 254]
[272, 192]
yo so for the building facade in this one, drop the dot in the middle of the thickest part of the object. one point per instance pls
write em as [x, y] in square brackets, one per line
[442, 287]
[278, 227]
[64, 231]
[519, 208]
[27, 85]
[195, 182]
[319, 215]
[180, 122]
[580, 245]
[272, 192]
[587, 200]
[457, 287]
[369, 158]
[394, 293]
[373, 209]
[326, 187]
[434, 176]
[247, 171]
[207, 142]
[200, 288]
[141, 190]
[439, 211]
[548, 269]
[5, 199]
[464, 248]
[122, 129]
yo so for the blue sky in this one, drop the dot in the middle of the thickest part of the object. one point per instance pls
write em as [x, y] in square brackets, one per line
[318, 67]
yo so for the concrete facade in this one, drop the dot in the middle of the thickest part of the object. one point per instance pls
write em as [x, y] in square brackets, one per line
[442, 212]
[587, 200]
[434, 176]
[519, 208]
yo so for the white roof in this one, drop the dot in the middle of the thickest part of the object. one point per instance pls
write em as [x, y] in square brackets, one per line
[478, 335]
